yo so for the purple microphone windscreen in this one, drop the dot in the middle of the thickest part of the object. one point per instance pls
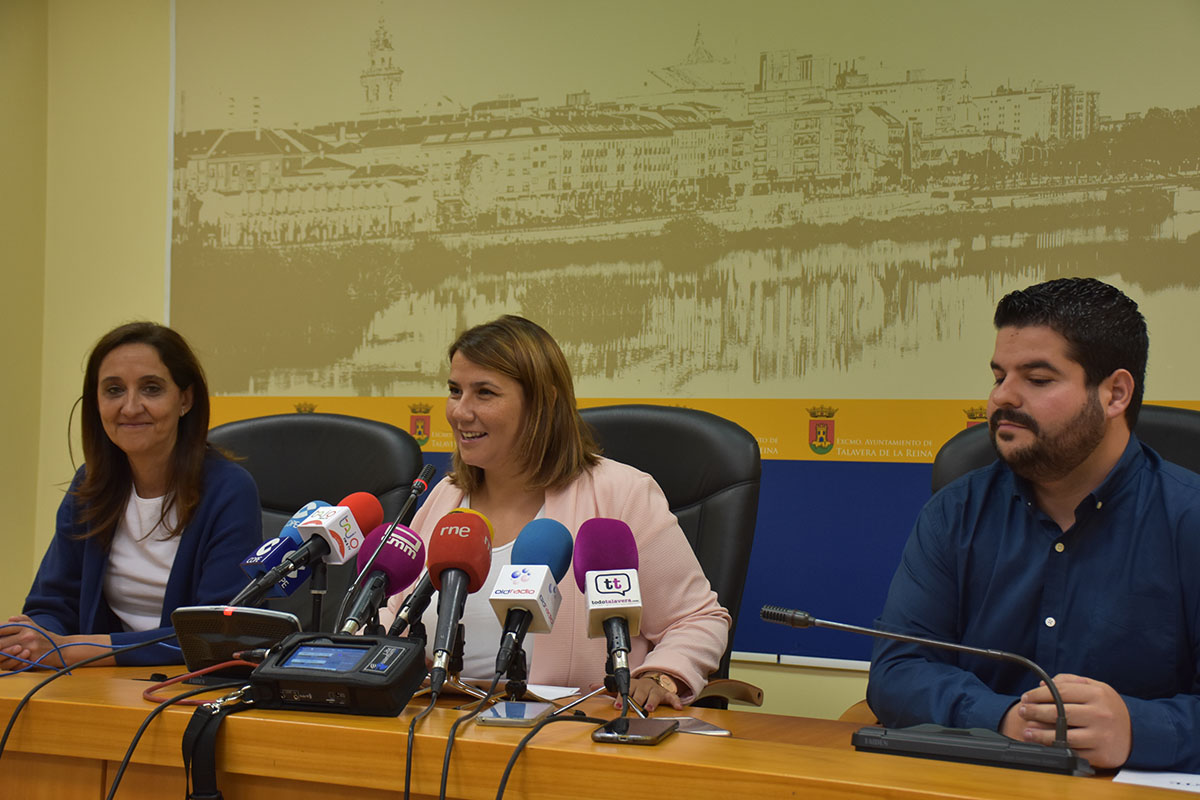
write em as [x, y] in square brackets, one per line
[544, 541]
[401, 559]
[603, 544]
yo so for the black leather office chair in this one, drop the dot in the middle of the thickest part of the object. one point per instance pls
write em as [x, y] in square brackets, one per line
[709, 469]
[1173, 432]
[297, 458]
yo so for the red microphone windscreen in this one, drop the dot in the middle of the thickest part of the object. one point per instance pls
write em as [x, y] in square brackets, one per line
[365, 507]
[461, 540]
[603, 543]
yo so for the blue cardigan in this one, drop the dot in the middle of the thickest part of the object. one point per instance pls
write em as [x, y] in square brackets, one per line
[67, 596]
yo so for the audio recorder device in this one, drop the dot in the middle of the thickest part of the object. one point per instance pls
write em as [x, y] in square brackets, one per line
[369, 675]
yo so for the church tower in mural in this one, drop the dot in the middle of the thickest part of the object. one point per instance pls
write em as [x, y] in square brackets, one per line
[381, 79]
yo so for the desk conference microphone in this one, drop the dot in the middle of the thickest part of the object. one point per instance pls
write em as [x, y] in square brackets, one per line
[955, 744]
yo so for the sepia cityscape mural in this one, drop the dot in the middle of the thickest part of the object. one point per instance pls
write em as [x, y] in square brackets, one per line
[721, 200]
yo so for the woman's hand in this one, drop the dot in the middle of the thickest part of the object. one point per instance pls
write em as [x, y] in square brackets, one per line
[33, 642]
[650, 694]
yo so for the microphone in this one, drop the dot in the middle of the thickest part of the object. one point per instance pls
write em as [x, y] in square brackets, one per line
[934, 741]
[331, 533]
[419, 485]
[525, 596]
[271, 553]
[460, 556]
[605, 566]
[401, 556]
[414, 605]
[341, 526]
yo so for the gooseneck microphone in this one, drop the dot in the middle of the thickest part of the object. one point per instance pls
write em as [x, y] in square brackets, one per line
[460, 557]
[420, 485]
[401, 557]
[605, 567]
[949, 742]
[526, 596]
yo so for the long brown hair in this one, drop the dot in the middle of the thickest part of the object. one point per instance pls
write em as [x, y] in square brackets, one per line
[108, 480]
[555, 444]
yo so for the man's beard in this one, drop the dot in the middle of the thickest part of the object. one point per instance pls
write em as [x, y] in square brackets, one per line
[1051, 458]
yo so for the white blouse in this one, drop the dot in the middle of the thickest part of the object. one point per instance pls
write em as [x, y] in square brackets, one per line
[139, 563]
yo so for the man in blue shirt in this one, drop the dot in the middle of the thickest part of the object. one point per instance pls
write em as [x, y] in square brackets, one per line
[1079, 549]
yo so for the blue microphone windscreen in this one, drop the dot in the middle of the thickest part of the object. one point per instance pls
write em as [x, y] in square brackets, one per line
[289, 528]
[544, 541]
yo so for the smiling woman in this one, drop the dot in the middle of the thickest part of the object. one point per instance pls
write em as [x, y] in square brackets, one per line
[522, 452]
[154, 519]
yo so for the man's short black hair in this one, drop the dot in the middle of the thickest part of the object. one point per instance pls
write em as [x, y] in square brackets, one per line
[1103, 328]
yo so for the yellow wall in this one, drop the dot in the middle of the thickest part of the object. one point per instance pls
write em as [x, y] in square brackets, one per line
[88, 85]
[22, 240]
[92, 83]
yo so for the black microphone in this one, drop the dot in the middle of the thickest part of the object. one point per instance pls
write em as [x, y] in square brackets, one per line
[420, 485]
[414, 606]
[955, 744]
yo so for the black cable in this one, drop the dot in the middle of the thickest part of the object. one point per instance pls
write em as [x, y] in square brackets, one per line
[70, 417]
[158, 709]
[525, 740]
[412, 728]
[454, 729]
[65, 671]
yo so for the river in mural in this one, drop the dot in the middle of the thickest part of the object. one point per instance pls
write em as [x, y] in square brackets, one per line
[884, 317]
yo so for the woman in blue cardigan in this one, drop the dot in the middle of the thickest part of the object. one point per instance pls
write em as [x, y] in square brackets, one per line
[154, 519]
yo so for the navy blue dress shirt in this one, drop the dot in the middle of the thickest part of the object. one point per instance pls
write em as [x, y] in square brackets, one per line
[1116, 598]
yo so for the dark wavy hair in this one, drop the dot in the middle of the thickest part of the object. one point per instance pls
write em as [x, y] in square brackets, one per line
[555, 444]
[1104, 330]
[108, 479]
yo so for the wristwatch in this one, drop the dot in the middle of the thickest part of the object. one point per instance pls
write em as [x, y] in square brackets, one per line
[664, 680]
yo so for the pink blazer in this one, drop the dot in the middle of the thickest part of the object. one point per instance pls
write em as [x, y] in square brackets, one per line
[684, 629]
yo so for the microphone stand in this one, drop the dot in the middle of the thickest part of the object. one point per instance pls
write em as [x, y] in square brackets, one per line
[416, 630]
[317, 585]
[456, 667]
[517, 682]
[951, 743]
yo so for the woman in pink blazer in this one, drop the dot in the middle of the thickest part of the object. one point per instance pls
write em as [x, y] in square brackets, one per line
[521, 451]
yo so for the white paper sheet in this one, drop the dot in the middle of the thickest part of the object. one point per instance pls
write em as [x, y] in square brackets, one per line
[1183, 781]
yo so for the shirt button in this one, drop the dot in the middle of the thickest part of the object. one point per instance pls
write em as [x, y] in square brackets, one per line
[1059, 547]
[1050, 622]
[1099, 504]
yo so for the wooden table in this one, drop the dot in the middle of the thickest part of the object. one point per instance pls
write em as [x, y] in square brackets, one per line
[68, 742]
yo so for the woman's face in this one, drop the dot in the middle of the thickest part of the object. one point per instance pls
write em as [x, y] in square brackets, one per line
[486, 411]
[140, 405]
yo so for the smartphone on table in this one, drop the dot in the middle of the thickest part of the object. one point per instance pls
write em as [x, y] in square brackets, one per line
[635, 730]
[513, 714]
